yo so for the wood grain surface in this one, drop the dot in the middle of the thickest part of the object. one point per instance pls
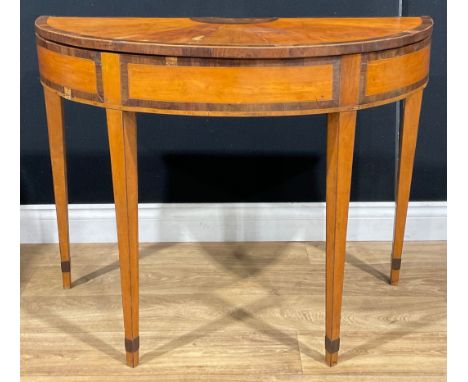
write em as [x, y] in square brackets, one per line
[71, 72]
[226, 38]
[224, 85]
[389, 74]
[234, 312]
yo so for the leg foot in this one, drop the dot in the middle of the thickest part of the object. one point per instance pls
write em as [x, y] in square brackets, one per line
[131, 351]
[132, 359]
[66, 274]
[331, 358]
[395, 271]
[331, 351]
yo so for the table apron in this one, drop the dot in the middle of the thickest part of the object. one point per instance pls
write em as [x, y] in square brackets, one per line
[230, 87]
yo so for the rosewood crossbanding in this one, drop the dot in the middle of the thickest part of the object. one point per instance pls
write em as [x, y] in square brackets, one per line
[241, 68]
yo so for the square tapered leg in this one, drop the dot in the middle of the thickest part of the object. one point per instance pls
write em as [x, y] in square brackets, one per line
[123, 150]
[340, 147]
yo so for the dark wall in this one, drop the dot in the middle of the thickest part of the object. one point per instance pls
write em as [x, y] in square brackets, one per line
[196, 159]
[430, 168]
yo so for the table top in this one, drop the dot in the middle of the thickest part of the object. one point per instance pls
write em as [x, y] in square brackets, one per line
[255, 38]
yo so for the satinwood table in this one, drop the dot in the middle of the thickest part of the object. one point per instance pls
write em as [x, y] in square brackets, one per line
[233, 67]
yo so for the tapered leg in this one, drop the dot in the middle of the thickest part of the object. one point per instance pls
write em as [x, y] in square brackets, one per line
[340, 148]
[123, 150]
[408, 138]
[55, 126]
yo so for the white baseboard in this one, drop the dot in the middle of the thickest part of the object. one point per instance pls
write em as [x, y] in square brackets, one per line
[368, 221]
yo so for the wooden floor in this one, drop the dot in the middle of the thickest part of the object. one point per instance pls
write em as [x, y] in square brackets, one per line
[234, 312]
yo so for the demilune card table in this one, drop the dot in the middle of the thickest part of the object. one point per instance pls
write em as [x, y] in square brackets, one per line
[236, 67]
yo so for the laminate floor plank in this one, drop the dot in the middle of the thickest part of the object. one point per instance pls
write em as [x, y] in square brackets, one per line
[184, 312]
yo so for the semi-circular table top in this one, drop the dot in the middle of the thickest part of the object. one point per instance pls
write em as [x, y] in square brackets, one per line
[235, 37]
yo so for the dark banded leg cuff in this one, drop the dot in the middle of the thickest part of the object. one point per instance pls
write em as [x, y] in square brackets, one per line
[65, 266]
[396, 264]
[332, 346]
[132, 346]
